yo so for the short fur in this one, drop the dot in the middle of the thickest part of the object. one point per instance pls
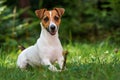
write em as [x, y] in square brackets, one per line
[48, 48]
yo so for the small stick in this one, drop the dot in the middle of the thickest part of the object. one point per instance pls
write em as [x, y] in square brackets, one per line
[65, 53]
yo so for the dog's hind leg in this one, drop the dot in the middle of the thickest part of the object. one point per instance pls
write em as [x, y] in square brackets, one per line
[22, 63]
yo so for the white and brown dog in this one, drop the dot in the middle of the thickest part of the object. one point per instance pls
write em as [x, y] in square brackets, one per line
[48, 47]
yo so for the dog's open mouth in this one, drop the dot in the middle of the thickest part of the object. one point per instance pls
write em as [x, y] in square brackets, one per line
[52, 32]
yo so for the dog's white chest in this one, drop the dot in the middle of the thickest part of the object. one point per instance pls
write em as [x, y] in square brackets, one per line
[53, 53]
[49, 47]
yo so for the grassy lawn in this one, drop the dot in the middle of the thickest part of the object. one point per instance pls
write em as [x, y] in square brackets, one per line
[98, 61]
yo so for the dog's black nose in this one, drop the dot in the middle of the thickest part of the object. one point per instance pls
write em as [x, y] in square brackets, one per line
[52, 27]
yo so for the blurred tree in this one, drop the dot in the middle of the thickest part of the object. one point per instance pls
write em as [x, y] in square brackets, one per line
[24, 4]
[83, 20]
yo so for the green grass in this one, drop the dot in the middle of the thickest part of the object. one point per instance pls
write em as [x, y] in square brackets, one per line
[85, 62]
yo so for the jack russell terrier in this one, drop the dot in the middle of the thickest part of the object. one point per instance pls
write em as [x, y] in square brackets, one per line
[48, 48]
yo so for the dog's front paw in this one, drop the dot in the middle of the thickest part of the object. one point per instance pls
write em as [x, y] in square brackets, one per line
[53, 68]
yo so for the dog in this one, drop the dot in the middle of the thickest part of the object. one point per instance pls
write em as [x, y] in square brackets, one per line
[48, 49]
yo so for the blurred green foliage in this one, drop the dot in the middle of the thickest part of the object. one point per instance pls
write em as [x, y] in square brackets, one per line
[83, 20]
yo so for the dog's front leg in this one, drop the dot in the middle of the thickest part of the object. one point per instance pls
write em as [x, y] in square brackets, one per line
[51, 67]
[61, 62]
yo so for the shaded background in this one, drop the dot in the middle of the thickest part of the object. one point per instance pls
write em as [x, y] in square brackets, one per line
[84, 20]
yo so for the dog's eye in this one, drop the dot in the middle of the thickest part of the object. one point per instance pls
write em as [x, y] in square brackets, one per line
[46, 19]
[56, 18]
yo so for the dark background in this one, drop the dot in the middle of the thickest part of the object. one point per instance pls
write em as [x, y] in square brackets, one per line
[83, 21]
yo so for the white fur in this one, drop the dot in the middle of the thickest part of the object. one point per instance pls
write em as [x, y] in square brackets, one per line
[46, 51]
[51, 22]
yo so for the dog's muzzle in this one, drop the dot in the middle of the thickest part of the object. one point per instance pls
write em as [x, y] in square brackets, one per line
[52, 29]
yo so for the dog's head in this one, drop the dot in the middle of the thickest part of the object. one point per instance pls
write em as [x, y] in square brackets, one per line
[50, 19]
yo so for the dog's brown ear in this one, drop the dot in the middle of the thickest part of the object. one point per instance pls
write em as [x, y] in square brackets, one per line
[60, 11]
[39, 13]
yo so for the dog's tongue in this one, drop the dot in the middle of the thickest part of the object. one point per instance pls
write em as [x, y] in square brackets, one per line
[52, 32]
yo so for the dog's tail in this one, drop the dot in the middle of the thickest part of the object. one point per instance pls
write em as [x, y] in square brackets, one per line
[21, 47]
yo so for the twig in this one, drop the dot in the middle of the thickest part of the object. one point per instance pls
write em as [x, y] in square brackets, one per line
[65, 53]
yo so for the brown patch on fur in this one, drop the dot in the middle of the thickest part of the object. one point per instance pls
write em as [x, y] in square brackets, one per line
[39, 13]
[44, 22]
[55, 18]
[44, 15]
[60, 11]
